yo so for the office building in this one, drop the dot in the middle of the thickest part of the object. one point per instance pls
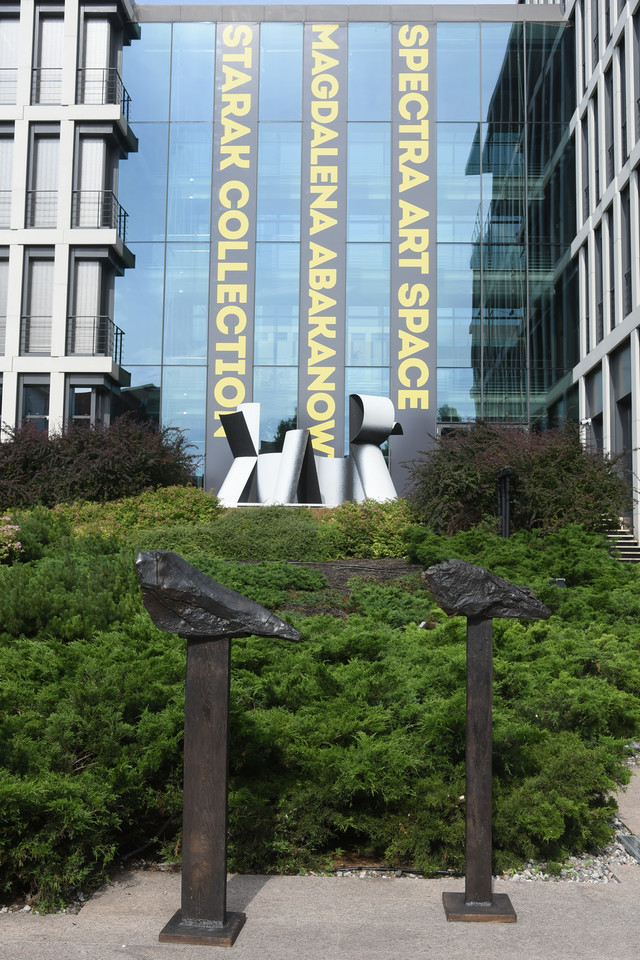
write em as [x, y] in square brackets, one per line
[435, 203]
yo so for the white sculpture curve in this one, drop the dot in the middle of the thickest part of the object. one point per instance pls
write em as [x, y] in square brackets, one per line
[297, 474]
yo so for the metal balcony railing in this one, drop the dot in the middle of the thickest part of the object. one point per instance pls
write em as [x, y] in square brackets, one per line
[35, 336]
[5, 209]
[623, 140]
[93, 337]
[626, 293]
[42, 208]
[98, 208]
[100, 86]
[596, 48]
[8, 85]
[46, 85]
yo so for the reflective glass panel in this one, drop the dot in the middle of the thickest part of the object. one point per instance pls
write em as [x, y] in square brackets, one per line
[277, 303]
[458, 303]
[280, 71]
[368, 181]
[142, 186]
[458, 66]
[142, 397]
[458, 182]
[192, 61]
[502, 73]
[189, 196]
[278, 213]
[138, 305]
[455, 396]
[369, 71]
[183, 402]
[367, 313]
[146, 65]
[276, 390]
[185, 302]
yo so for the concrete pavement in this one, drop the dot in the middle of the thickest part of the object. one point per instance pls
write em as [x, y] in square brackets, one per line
[346, 918]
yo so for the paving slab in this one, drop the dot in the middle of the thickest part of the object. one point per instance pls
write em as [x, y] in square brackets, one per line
[629, 805]
[347, 918]
[341, 918]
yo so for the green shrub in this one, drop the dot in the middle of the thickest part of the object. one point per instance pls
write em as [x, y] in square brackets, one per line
[164, 507]
[249, 533]
[69, 593]
[368, 529]
[555, 481]
[352, 739]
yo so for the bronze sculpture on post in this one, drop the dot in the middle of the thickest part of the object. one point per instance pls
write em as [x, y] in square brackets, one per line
[462, 589]
[181, 599]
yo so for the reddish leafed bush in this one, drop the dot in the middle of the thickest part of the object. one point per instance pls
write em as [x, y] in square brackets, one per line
[101, 463]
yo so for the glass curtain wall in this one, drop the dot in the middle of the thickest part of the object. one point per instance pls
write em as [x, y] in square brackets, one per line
[163, 304]
[506, 290]
[507, 332]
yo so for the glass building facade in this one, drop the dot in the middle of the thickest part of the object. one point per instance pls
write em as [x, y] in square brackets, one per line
[322, 208]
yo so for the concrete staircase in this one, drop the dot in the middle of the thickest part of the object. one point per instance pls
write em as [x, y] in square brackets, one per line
[627, 548]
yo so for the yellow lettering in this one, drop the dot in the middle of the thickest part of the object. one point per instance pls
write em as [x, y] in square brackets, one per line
[320, 255]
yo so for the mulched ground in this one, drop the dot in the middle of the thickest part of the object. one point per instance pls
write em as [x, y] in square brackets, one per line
[335, 598]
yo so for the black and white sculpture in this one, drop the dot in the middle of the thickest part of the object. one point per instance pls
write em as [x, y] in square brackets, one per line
[297, 474]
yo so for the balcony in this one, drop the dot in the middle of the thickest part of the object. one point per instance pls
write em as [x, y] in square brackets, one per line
[35, 336]
[101, 86]
[8, 85]
[42, 208]
[46, 85]
[91, 209]
[94, 337]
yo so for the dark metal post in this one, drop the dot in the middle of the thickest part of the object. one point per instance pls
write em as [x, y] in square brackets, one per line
[203, 917]
[462, 589]
[181, 599]
[478, 882]
[206, 761]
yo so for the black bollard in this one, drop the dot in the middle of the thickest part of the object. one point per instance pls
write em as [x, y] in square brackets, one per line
[182, 600]
[462, 589]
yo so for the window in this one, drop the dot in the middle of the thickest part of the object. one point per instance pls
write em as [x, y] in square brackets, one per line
[42, 195]
[89, 401]
[46, 84]
[608, 124]
[94, 203]
[624, 148]
[598, 280]
[33, 398]
[4, 285]
[35, 332]
[9, 30]
[625, 229]
[6, 173]
[94, 73]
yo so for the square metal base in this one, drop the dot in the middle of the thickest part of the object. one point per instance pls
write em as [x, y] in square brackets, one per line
[208, 934]
[498, 911]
